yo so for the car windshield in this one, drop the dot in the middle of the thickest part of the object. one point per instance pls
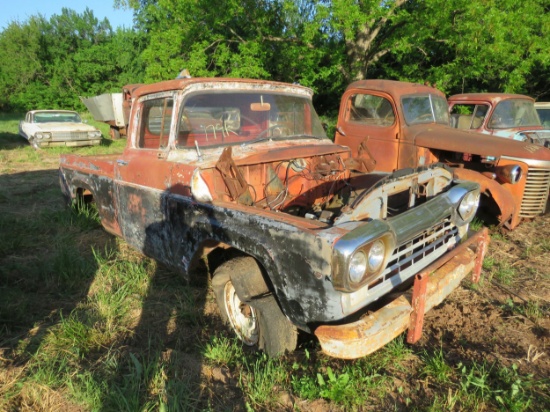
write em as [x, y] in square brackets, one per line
[425, 108]
[63, 117]
[512, 113]
[217, 118]
[544, 115]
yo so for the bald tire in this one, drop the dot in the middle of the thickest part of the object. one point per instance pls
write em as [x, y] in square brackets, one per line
[276, 333]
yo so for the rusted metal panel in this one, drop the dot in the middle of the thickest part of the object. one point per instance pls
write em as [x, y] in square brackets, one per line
[418, 304]
[446, 138]
[508, 204]
[483, 245]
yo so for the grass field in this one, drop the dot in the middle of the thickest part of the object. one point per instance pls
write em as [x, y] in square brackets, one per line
[88, 324]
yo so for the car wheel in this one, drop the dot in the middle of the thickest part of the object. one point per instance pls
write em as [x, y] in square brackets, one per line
[257, 322]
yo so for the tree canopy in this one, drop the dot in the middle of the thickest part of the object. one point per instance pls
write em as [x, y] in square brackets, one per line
[459, 45]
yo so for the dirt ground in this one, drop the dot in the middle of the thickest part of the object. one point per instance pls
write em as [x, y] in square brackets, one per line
[506, 318]
[505, 322]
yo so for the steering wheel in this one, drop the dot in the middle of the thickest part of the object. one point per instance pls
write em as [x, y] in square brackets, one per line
[282, 131]
[422, 117]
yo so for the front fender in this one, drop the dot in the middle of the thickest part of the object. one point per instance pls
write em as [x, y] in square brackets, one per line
[507, 203]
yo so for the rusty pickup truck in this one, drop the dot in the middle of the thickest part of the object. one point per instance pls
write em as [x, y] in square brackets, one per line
[512, 116]
[311, 243]
[391, 125]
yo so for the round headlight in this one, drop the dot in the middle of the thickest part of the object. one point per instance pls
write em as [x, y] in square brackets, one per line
[357, 266]
[39, 135]
[468, 205]
[376, 256]
[509, 174]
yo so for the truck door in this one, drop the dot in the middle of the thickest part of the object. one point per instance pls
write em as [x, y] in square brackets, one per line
[369, 119]
[143, 177]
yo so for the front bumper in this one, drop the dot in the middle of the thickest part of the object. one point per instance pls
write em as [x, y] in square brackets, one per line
[431, 287]
[67, 143]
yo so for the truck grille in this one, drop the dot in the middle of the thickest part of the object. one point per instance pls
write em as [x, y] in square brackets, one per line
[409, 258]
[536, 193]
[70, 136]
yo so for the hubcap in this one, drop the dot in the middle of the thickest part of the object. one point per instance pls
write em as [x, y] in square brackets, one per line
[241, 316]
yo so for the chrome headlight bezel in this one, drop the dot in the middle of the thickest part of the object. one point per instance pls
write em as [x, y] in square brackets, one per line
[376, 256]
[94, 134]
[362, 256]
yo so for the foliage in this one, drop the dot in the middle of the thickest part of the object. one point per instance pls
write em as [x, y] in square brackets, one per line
[459, 45]
[49, 64]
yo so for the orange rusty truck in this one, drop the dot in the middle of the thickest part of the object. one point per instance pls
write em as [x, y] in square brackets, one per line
[309, 243]
[512, 116]
[391, 125]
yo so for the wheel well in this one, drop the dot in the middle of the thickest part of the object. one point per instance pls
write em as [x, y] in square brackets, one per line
[212, 257]
[85, 196]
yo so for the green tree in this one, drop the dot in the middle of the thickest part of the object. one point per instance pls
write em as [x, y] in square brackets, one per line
[20, 46]
[49, 64]
[465, 46]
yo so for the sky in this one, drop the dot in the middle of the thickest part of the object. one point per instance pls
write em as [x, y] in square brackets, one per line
[21, 10]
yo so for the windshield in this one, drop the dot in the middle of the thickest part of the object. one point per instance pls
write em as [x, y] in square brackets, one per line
[63, 117]
[425, 108]
[514, 113]
[544, 115]
[215, 118]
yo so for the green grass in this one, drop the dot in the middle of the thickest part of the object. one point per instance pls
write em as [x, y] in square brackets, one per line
[86, 323]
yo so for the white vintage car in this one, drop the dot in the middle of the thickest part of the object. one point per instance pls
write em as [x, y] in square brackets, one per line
[44, 128]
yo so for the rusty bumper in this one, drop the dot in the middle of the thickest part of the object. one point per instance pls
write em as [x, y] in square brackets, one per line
[431, 286]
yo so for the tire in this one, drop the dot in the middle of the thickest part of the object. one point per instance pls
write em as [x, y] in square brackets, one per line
[257, 322]
[114, 132]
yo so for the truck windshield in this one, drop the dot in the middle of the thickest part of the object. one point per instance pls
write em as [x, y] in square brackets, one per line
[425, 108]
[218, 118]
[514, 113]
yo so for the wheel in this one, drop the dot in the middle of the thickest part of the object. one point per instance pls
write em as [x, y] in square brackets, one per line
[114, 132]
[257, 322]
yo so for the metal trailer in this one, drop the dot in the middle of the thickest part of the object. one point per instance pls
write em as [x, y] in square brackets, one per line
[108, 108]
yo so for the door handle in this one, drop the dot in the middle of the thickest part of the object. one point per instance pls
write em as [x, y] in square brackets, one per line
[340, 130]
[121, 162]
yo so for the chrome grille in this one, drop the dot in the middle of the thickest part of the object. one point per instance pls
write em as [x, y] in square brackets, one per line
[536, 192]
[70, 136]
[409, 258]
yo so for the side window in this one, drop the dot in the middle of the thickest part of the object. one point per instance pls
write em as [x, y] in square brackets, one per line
[468, 116]
[155, 122]
[372, 110]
